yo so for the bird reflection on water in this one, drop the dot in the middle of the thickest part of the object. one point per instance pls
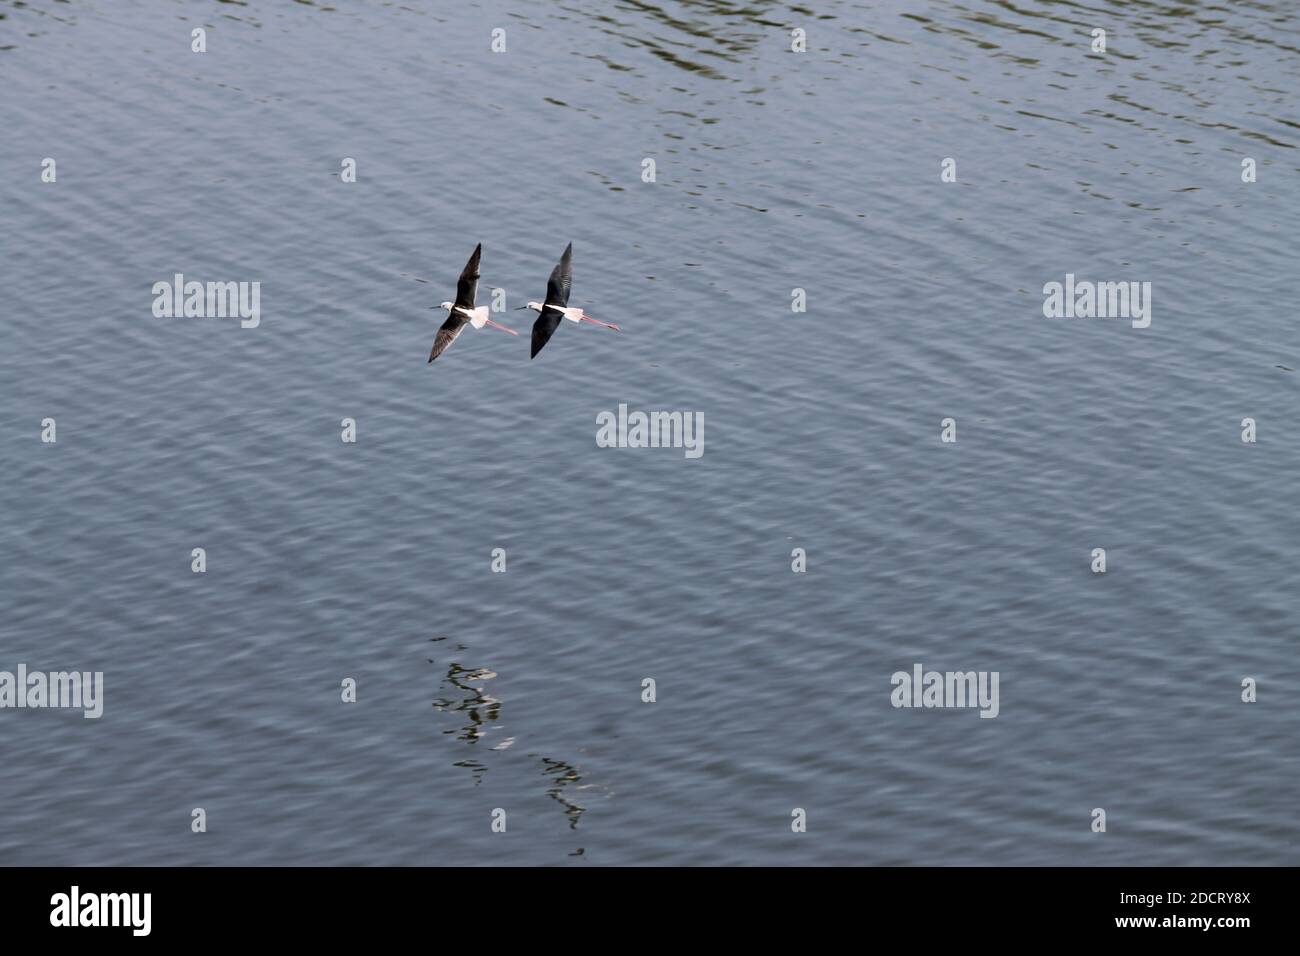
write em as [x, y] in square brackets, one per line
[462, 692]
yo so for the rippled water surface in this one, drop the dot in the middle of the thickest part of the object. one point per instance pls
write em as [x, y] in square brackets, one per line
[522, 691]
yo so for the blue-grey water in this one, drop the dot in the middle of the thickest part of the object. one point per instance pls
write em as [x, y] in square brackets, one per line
[774, 171]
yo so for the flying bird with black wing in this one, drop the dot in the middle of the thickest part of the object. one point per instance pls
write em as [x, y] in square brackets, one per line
[556, 306]
[462, 312]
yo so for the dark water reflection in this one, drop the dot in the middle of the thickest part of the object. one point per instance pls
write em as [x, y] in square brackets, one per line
[462, 694]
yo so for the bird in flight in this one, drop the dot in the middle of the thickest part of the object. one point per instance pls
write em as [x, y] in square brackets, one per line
[556, 306]
[462, 311]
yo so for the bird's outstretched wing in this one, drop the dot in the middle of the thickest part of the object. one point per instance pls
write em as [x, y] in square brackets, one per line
[447, 334]
[557, 287]
[467, 286]
[544, 328]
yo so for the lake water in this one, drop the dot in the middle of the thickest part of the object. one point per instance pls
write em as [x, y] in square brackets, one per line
[522, 691]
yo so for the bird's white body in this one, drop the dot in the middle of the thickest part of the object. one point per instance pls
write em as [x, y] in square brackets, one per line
[477, 317]
[572, 313]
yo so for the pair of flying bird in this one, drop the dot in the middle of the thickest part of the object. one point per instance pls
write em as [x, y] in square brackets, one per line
[463, 312]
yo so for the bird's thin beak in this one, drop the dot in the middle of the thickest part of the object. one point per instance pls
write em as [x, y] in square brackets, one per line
[501, 327]
[517, 308]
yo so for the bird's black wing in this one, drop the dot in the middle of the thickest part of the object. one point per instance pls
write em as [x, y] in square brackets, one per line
[467, 287]
[557, 286]
[545, 326]
[447, 334]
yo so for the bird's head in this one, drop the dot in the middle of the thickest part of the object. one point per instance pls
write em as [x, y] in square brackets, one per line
[445, 305]
[535, 306]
